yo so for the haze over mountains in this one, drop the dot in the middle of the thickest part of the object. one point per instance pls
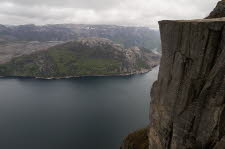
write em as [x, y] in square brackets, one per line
[142, 37]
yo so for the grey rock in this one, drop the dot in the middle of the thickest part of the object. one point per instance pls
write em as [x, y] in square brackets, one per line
[219, 11]
[187, 109]
[188, 99]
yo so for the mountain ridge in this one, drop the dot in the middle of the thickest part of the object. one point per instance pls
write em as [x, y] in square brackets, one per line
[84, 57]
[129, 36]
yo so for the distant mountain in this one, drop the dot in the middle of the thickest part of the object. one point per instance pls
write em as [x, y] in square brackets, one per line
[11, 49]
[141, 37]
[85, 57]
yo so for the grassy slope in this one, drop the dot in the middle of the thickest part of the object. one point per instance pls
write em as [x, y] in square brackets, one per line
[59, 62]
[73, 59]
[136, 140]
[68, 63]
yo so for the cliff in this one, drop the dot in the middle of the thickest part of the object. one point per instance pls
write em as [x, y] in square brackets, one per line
[187, 108]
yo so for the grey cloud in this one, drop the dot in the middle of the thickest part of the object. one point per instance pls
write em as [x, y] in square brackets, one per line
[89, 4]
[120, 12]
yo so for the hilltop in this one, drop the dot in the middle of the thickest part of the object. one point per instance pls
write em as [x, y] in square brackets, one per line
[84, 57]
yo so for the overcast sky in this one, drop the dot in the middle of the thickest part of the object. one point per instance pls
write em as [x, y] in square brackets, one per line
[118, 12]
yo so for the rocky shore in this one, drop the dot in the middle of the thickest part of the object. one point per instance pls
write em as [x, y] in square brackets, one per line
[71, 77]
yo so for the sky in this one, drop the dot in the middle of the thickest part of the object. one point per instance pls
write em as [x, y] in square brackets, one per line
[116, 12]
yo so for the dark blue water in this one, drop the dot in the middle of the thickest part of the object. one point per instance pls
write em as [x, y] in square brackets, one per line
[84, 113]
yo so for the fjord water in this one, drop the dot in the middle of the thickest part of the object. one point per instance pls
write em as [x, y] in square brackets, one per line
[81, 113]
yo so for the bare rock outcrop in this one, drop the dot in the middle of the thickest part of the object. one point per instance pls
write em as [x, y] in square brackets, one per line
[187, 109]
[219, 11]
[188, 99]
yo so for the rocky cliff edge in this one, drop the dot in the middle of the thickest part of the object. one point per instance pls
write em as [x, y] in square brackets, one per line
[187, 108]
[188, 99]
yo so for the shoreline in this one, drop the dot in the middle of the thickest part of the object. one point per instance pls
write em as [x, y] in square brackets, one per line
[81, 76]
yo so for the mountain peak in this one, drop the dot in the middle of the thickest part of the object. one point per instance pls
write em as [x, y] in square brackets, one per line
[95, 40]
[219, 10]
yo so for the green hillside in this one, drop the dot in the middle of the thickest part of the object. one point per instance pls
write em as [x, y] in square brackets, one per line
[77, 58]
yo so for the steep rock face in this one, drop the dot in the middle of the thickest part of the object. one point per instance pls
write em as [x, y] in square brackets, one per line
[188, 99]
[219, 11]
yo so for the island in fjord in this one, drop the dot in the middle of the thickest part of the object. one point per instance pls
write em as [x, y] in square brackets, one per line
[83, 57]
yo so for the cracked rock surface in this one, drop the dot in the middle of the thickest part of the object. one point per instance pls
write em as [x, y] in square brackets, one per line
[187, 109]
[188, 99]
[219, 11]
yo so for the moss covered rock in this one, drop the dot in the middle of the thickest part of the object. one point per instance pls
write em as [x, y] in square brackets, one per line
[136, 140]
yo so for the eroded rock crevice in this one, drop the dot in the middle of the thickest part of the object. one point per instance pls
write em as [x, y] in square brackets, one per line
[189, 92]
[187, 108]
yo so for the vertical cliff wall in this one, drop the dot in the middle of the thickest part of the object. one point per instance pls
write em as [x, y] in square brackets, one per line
[187, 109]
[188, 99]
